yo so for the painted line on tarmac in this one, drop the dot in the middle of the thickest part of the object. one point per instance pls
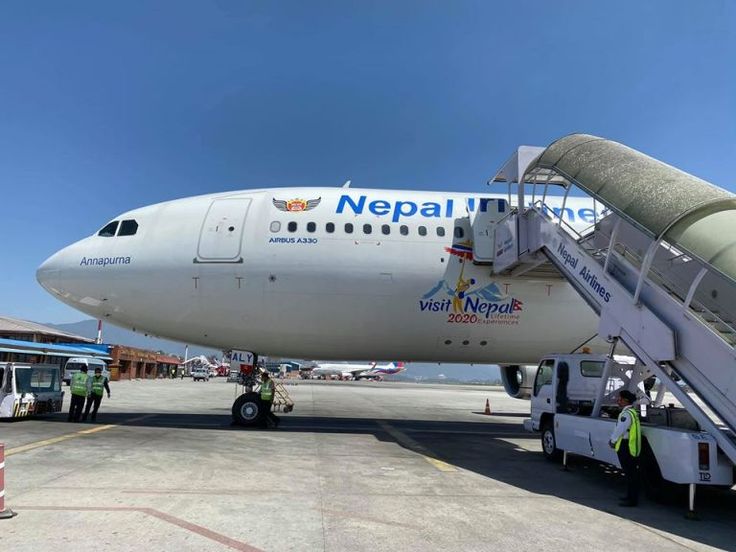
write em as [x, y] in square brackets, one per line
[192, 527]
[81, 433]
[404, 440]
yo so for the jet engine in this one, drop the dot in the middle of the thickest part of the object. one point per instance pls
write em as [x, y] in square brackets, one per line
[518, 381]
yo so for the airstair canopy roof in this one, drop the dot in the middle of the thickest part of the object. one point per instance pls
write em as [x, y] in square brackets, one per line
[663, 201]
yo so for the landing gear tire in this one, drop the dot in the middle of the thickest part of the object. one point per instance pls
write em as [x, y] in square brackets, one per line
[247, 411]
[549, 443]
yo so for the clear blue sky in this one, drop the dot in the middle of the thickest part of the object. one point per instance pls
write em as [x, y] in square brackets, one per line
[106, 106]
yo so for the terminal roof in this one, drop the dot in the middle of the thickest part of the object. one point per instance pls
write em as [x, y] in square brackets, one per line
[53, 349]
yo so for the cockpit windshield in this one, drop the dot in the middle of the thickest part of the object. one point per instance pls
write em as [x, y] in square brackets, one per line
[109, 229]
[127, 228]
[34, 379]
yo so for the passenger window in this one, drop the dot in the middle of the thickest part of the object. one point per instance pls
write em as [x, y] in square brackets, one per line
[404, 230]
[544, 375]
[275, 226]
[459, 232]
[311, 227]
[422, 230]
[109, 230]
[348, 228]
[330, 227]
[367, 229]
[386, 229]
[591, 368]
[291, 227]
[128, 228]
[440, 231]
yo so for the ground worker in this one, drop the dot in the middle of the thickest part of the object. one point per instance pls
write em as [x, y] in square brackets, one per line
[97, 383]
[626, 440]
[267, 391]
[79, 388]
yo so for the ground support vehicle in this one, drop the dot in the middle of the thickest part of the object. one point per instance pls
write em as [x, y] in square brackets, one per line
[200, 373]
[74, 365]
[29, 389]
[573, 408]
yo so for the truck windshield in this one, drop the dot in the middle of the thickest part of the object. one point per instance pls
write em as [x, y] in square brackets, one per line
[36, 380]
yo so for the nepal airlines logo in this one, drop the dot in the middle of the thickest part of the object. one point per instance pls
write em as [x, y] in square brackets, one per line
[296, 205]
[465, 300]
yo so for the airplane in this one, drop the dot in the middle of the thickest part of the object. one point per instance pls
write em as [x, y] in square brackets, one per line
[333, 273]
[215, 368]
[358, 371]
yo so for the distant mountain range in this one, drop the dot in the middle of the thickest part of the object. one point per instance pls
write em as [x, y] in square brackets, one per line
[120, 336]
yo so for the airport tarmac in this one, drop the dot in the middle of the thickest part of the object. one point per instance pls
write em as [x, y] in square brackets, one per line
[356, 466]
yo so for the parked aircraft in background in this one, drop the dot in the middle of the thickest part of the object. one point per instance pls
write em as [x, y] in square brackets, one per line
[357, 371]
[215, 368]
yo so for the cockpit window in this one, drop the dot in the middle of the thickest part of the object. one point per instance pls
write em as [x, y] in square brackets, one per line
[109, 230]
[128, 228]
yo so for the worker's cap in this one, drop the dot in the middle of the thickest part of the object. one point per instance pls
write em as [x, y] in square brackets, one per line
[627, 396]
[98, 369]
[83, 368]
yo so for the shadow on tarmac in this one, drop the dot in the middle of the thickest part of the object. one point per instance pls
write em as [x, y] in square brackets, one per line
[487, 448]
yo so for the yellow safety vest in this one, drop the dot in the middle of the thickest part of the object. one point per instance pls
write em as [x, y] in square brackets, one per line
[634, 432]
[98, 385]
[267, 390]
[79, 384]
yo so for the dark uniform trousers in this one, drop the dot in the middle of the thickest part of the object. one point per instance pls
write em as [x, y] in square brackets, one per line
[268, 415]
[630, 465]
[75, 408]
[92, 400]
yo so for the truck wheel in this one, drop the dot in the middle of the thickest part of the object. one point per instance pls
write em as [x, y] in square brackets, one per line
[549, 443]
[247, 411]
[655, 486]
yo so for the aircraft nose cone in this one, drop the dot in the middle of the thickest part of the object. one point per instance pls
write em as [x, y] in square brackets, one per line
[49, 273]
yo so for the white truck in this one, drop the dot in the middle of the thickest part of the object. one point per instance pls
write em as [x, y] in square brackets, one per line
[573, 408]
[74, 365]
[29, 389]
[200, 373]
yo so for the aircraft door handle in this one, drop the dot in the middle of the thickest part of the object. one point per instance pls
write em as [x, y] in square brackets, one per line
[548, 401]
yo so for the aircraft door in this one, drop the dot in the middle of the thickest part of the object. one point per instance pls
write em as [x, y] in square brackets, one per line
[489, 212]
[221, 237]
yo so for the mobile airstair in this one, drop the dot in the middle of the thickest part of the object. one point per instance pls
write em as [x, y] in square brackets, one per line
[658, 264]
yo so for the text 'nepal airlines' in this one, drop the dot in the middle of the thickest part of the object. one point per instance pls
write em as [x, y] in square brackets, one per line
[333, 273]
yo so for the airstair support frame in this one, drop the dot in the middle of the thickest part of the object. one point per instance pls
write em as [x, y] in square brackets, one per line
[657, 325]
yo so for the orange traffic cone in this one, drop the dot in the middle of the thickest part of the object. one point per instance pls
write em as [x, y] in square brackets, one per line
[487, 411]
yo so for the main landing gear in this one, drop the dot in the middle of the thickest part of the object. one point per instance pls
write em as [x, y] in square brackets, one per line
[248, 409]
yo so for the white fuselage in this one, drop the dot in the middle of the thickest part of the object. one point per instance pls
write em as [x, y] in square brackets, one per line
[230, 271]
